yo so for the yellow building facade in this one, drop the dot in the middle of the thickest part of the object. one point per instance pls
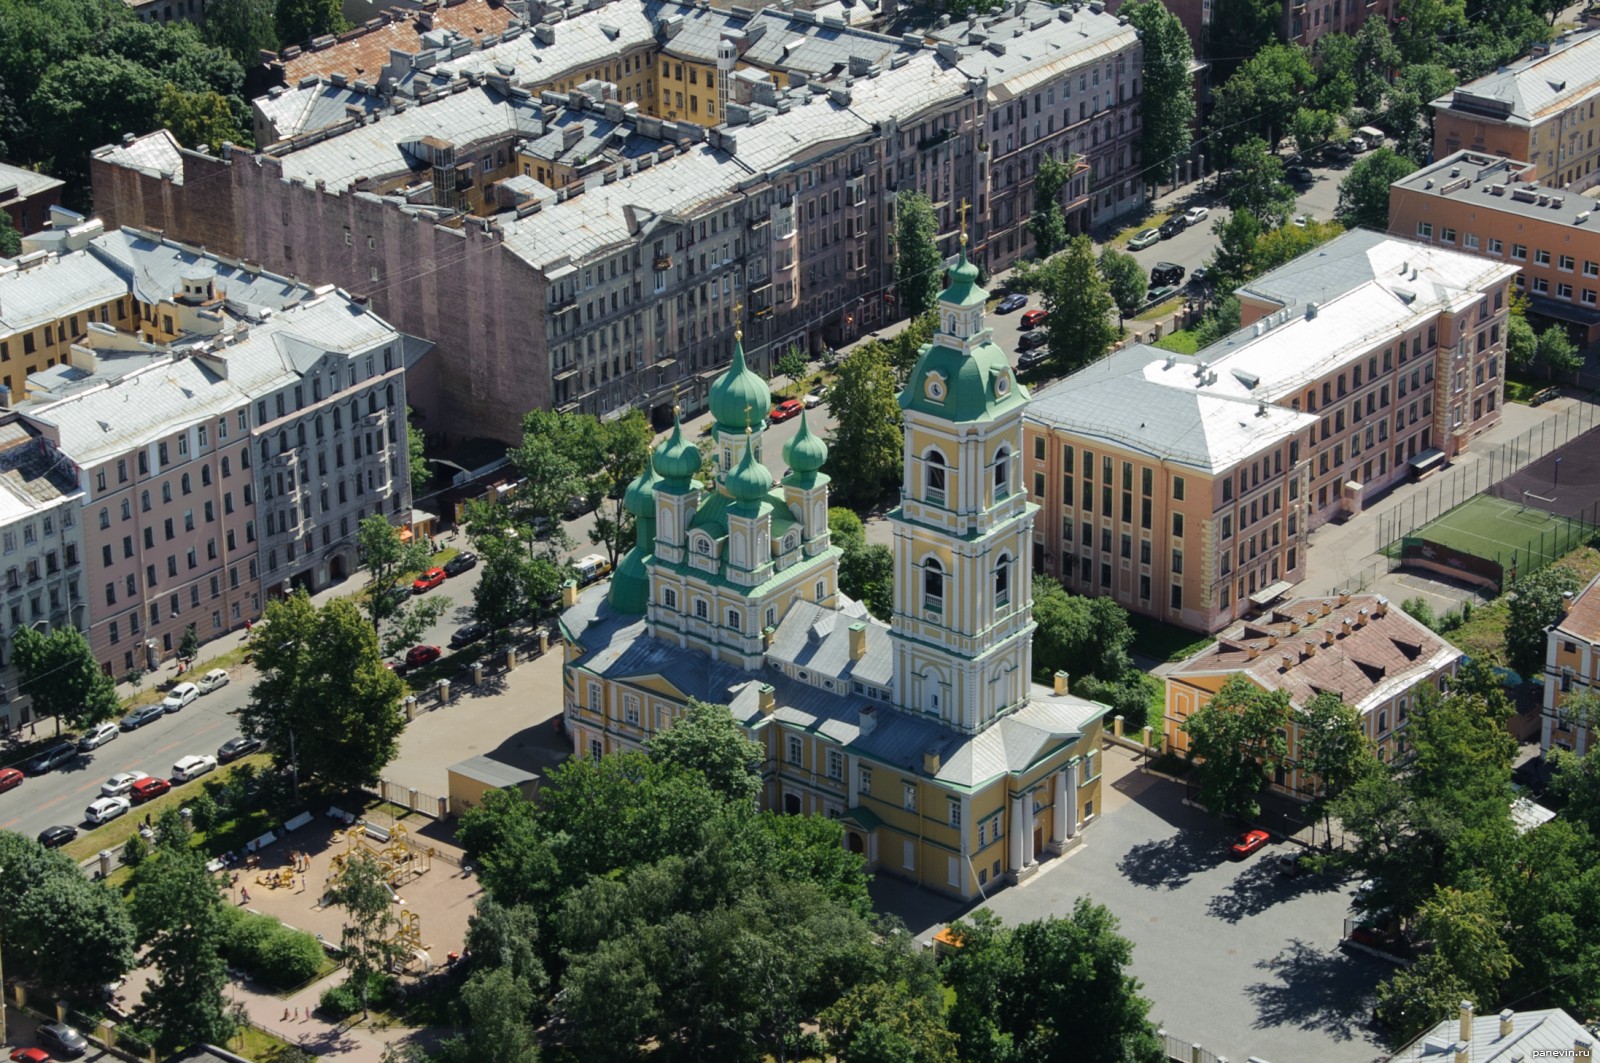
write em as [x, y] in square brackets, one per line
[1572, 665]
[926, 738]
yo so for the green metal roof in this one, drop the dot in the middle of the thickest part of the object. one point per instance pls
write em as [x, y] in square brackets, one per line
[971, 383]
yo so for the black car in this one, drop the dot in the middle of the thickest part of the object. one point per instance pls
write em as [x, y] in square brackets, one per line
[1033, 359]
[63, 1040]
[1166, 273]
[467, 634]
[1010, 303]
[1335, 153]
[465, 561]
[1302, 174]
[1173, 226]
[1033, 339]
[1200, 277]
[52, 758]
[234, 748]
[57, 836]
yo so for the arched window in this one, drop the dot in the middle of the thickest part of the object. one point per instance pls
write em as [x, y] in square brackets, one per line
[144, 501]
[166, 490]
[934, 472]
[1002, 473]
[1002, 581]
[388, 395]
[205, 475]
[933, 585]
[105, 517]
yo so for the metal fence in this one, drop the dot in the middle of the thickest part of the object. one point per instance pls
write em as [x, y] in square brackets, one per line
[1180, 1051]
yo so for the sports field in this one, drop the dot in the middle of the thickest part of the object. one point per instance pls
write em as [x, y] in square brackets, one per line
[1506, 532]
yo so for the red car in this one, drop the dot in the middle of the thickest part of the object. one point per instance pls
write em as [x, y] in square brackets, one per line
[148, 788]
[428, 580]
[30, 1055]
[1033, 318]
[786, 409]
[1249, 842]
[10, 779]
[417, 656]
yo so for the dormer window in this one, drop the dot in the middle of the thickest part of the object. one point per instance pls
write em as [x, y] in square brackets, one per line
[934, 475]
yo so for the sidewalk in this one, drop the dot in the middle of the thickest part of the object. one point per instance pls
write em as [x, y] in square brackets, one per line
[318, 1036]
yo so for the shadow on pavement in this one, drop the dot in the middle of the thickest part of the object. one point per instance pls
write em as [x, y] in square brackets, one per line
[1331, 992]
[1169, 863]
[1262, 885]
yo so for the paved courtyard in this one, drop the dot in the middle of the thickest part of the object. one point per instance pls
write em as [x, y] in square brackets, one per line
[1234, 956]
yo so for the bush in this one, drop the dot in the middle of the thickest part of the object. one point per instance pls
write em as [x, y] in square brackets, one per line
[203, 811]
[271, 951]
[344, 1000]
[134, 852]
[339, 1001]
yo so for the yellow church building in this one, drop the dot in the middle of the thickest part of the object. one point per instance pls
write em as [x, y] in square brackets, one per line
[925, 737]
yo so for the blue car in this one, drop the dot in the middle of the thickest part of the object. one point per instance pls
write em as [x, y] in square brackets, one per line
[142, 715]
[1012, 302]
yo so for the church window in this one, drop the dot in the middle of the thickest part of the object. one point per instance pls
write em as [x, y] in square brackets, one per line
[669, 598]
[933, 585]
[935, 473]
[733, 619]
[1002, 581]
[1002, 474]
[700, 609]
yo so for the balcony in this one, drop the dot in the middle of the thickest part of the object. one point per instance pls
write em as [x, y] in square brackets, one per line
[663, 263]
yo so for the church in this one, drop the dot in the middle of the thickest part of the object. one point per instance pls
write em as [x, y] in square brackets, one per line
[926, 737]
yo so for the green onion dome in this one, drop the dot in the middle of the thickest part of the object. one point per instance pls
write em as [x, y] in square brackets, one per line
[640, 498]
[751, 480]
[676, 459]
[805, 453]
[739, 398]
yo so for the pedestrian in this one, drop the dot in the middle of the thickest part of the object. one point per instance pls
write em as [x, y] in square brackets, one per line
[285, 1014]
[245, 893]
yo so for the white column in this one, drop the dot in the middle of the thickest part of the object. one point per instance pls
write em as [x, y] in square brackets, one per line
[1016, 834]
[1027, 838]
[1070, 812]
[1058, 821]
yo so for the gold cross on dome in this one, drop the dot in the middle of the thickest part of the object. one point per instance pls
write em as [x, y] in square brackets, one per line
[738, 322]
[747, 408]
[963, 221]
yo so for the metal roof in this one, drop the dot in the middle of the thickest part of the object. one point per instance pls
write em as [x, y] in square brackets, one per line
[27, 182]
[1028, 45]
[1488, 182]
[157, 154]
[292, 112]
[1534, 86]
[1551, 1034]
[54, 287]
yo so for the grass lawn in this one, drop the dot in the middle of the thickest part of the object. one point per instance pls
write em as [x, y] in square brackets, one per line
[252, 1043]
[1160, 309]
[1153, 221]
[1183, 341]
[1484, 636]
[114, 834]
[1165, 642]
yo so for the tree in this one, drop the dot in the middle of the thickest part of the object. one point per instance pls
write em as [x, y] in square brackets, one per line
[879, 1022]
[500, 598]
[1373, 58]
[1468, 961]
[1124, 276]
[1312, 127]
[707, 740]
[59, 672]
[1535, 604]
[918, 267]
[1522, 343]
[1334, 751]
[1421, 611]
[299, 21]
[1233, 262]
[1236, 736]
[1575, 779]
[417, 463]
[1423, 24]
[845, 529]
[1079, 307]
[1048, 225]
[392, 563]
[1407, 114]
[495, 1006]
[10, 239]
[362, 890]
[1557, 353]
[1077, 635]
[202, 120]
[1257, 185]
[1261, 97]
[864, 449]
[177, 907]
[792, 364]
[617, 454]
[1240, 29]
[1166, 107]
[189, 645]
[324, 702]
[242, 28]
[1364, 194]
[551, 477]
[867, 575]
[1053, 989]
[1289, 242]
[72, 934]
[1221, 320]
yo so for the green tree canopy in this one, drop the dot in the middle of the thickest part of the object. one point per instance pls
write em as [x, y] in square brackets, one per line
[417, 463]
[918, 268]
[1236, 736]
[59, 672]
[242, 28]
[845, 529]
[1240, 29]
[1261, 97]
[10, 239]
[1166, 106]
[71, 934]
[1079, 305]
[362, 890]
[864, 449]
[1233, 262]
[323, 699]
[1535, 604]
[1077, 635]
[1048, 225]
[707, 740]
[1257, 186]
[1557, 353]
[177, 907]
[299, 21]
[1125, 278]
[1364, 192]
[867, 575]
[1289, 242]
[392, 564]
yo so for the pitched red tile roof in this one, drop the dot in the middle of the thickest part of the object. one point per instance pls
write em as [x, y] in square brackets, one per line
[362, 53]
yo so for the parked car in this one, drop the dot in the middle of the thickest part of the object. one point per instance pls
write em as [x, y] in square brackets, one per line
[1249, 842]
[141, 716]
[1161, 293]
[97, 736]
[1033, 359]
[105, 810]
[234, 748]
[1032, 340]
[1173, 226]
[417, 656]
[53, 758]
[1144, 238]
[215, 679]
[813, 397]
[1033, 318]
[57, 836]
[179, 696]
[1335, 153]
[1201, 277]
[1301, 220]
[428, 581]
[465, 561]
[1166, 273]
[1015, 301]
[63, 1040]
[148, 789]
[785, 409]
[1300, 174]
[591, 568]
[467, 634]
[30, 1055]
[1195, 215]
[193, 766]
[119, 784]
[1542, 397]
[1357, 145]
[10, 779]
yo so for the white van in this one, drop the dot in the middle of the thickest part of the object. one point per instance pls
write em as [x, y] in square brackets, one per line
[591, 568]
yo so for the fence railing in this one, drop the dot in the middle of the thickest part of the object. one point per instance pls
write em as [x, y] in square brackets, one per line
[1180, 1051]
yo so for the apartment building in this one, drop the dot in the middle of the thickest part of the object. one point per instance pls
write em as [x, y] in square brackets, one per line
[1358, 646]
[1540, 108]
[1572, 664]
[27, 196]
[226, 444]
[47, 302]
[41, 549]
[1495, 208]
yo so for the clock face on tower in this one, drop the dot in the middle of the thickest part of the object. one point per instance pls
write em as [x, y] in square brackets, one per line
[933, 387]
[1002, 384]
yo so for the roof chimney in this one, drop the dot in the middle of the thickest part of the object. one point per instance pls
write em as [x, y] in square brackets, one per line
[1463, 1052]
[1251, 652]
[1582, 1048]
[1466, 1023]
[1505, 1022]
[1288, 661]
[930, 761]
[1061, 683]
[1382, 607]
[858, 640]
[1346, 626]
[1327, 607]
[769, 699]
[1272, 640]
[868, 720]
[1566, 602]
[1344, 597]
[1311, 647]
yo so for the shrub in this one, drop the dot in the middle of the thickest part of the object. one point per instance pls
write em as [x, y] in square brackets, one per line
[134, 852]
[203, 811]
[289, 958]
[339, 1001]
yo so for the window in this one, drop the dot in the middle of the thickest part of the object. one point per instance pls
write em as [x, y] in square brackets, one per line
[1002, 582]
[934, 472]
[955, 813]
[1541, 257]
[630, 709]
[1002, 467]
[933, 586]
[1565, 263]
[864, 780]
[835, 764]
[796, 750]
[1425, 229]
[1496, 246]
[1519, 252]
[908, 799]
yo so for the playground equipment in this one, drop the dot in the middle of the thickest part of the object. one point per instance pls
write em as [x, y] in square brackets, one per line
[391, 847]
[405, 943]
